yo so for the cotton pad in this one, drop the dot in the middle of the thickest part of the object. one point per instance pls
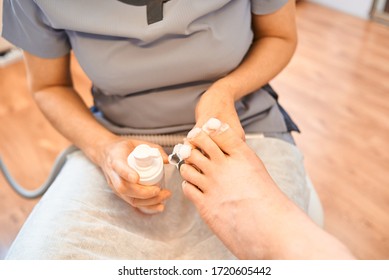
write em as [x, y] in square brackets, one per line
[211, 125]
[184, 151]
[180, 153]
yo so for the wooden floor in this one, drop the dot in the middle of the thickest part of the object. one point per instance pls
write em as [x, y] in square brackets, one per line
[337, 90]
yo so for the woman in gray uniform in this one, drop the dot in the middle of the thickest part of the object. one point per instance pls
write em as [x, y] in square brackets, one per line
[157, 67]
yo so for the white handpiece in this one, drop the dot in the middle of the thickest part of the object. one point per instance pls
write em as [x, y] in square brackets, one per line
[148, 163]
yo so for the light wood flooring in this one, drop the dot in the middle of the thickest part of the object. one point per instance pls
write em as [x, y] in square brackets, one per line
[337, 90]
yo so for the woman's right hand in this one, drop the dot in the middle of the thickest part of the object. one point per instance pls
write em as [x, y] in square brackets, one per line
[52, 88]
[124, 181]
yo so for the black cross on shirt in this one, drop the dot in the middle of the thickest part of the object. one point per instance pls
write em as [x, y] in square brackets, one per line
[154, 8]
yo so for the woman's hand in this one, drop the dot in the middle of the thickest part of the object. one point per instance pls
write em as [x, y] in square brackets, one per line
[274, 42]
[124, 180]
[52, 88]
[218, 102]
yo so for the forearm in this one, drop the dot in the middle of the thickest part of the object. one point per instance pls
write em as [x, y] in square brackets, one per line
[266, 58]
[67, 112]
[275, 40]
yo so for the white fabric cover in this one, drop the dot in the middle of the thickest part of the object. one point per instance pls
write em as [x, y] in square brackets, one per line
[81, 218]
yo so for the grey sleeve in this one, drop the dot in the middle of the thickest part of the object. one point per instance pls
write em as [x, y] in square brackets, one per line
[25, 26]
[263, 7]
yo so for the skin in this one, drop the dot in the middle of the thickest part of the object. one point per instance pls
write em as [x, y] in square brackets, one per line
[237, 198]
[275, 40]
[51, 86]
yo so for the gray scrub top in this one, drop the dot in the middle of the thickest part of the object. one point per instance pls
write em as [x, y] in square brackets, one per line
[149, 61]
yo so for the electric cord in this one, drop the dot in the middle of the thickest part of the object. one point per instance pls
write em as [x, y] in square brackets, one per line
[167, 140]
[38, 192]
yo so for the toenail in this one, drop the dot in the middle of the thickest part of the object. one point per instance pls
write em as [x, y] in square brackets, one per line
[180, 164]
[193, 133]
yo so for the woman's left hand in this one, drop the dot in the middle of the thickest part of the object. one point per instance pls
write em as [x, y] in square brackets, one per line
[220, 104]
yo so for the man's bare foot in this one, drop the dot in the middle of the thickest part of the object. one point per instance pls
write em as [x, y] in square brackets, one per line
[240, 202]
[224, 179]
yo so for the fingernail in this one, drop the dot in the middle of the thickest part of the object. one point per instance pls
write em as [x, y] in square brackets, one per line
[193, 133]
[161, 207]
[168, 195]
